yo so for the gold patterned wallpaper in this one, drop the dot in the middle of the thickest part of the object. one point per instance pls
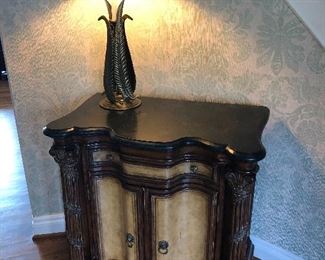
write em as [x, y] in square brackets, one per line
[239, 51]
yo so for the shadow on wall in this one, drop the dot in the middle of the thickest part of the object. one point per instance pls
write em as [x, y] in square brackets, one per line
[289, 196]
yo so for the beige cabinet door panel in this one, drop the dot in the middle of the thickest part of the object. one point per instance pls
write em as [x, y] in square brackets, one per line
[116, 208]
[182, 220]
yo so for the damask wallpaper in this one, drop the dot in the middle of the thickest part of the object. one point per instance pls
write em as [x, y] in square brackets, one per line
[238, 51]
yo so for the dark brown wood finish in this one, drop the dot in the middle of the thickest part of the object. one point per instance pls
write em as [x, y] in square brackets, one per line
[167, 124]
[161, 134]
[69, 159]
[240, 181]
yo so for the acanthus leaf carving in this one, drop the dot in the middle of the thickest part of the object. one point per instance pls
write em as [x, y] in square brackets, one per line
[68, 158]
[241, 185]
[73, 209]
[76, 241]
[240, 235]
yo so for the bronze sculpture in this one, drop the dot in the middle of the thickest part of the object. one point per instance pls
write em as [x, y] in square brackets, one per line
[119, 75]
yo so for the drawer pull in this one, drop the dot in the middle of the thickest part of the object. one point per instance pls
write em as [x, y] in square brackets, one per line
[194, 169]
[130, 240]
[163, 247]
[104, 156]
[109, 157]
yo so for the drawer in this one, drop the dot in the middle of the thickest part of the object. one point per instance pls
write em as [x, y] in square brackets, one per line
[105, 156]
[190, 167]
[168, 172]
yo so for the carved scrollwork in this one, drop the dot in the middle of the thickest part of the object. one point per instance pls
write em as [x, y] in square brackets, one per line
[73, 209]
[240, 184]
[68, 159]
[76, 241]
[240, 234]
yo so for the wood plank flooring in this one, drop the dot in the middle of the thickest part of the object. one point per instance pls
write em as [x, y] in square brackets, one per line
[15, 213]
[5, 100]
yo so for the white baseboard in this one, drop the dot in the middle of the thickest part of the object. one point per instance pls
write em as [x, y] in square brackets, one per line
[267, 251]
[55, 223]
[48, 224]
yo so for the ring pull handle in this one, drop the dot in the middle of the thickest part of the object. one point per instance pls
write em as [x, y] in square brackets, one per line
[109, 157]
[194, 169]
[130, 240]
[163, 247]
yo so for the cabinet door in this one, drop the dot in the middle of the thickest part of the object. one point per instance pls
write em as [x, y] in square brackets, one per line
[181, 225]
[117, 220]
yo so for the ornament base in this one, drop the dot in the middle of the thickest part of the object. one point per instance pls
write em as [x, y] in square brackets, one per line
[120, 104]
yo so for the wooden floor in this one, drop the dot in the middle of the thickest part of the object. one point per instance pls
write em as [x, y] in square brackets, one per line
[5, 100]
[15, 213]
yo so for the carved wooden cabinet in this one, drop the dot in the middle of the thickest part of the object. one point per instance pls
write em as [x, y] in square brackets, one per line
[170, 180]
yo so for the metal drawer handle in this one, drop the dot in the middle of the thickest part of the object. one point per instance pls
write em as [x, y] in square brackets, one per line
[109, 157]
[163, 247]
[130, 240]
[104, 156]
[194, 169]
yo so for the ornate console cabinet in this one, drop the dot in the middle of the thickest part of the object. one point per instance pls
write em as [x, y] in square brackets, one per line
[170, 180]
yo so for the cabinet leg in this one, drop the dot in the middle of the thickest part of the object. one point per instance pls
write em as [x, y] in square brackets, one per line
[240, 183]
[68, 158]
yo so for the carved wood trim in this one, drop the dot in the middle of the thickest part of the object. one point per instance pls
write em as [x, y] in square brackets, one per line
[161, 187]
[68, 159]
[217, 206]
[230, 188]
[161, 158]
[231, 192]
[241, 185]
[240, 182]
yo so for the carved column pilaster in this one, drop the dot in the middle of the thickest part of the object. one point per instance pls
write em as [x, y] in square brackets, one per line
[69, 160]
[240, 183]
